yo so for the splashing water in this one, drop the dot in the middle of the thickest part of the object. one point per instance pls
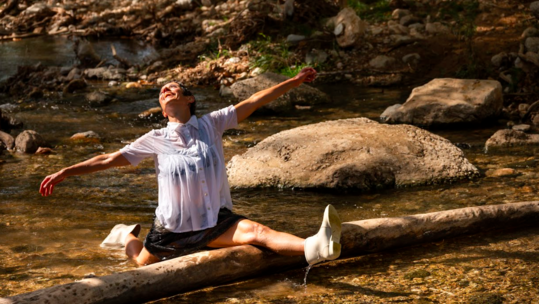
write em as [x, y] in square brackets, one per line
[306, 274]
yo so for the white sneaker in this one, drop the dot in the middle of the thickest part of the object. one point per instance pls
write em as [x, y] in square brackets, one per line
[325, 244]
[118, 234]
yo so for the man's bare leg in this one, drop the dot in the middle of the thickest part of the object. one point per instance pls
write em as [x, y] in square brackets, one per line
[248, 232]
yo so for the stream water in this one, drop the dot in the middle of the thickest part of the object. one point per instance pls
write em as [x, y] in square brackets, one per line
[52, 240]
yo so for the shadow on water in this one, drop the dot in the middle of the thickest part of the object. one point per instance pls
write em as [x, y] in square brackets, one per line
[58, 51]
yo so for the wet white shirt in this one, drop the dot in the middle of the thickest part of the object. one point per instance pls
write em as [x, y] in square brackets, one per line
[190, 168]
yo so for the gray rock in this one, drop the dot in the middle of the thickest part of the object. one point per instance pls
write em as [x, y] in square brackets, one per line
[316, 56]
[530, 32]
[338, 29]
[398, 13]
[294, 39]
[412, 59]
[522, 127]
[436, 28]
[510, 138]
[417, 26]
[397, 28]
[75, 73]
[446, 101]
[500, 59]
[389, 111]
[7, 141]
[225, 91]
[534, 8]
[353, 153]
[532, 44]
[98, 99]
[302, 95]
[382, 62]
[376, 30]
[28, 141]
[407, 20]
[105, 73]
[40, 9]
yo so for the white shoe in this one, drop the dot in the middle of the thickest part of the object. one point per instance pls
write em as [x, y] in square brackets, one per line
[118, 234]
[325, 244]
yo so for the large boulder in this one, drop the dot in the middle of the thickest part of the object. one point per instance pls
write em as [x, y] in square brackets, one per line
[303, 95]
[28, 141]
[446, 101]
[353, 153]
[510, 138]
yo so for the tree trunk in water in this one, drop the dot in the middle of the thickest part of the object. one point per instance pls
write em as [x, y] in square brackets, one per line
[221, 266]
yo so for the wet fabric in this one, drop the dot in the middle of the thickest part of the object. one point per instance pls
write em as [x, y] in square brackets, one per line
[190, 169]
[167, 245]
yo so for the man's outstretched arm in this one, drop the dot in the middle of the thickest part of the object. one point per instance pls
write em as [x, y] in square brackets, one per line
[245, 108]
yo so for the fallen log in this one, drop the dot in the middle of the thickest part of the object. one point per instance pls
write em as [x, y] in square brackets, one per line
[225, 265]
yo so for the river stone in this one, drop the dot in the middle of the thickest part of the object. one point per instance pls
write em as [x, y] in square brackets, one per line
[534, 8]
[303, 95]
[28, 141]
[522, 127]
[355, 153]
[436, 28]
[510, 138]
[530, 32]
[412, 59]
[353, 27]
[500, 59]
[105, 73]
[74, 85]
[446, 101]
[399, 13]
[532, 44]
[6, 140]
[98, 99]
[502, 172]
[382, 62]
[85, 135]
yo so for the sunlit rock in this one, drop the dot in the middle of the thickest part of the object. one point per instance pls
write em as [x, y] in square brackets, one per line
[353, 27]
[6, 140]
[302, 95]
[510, 138]
[353, 153]
[85, 136]
[28, 141]
[502, 172]
[446, 101]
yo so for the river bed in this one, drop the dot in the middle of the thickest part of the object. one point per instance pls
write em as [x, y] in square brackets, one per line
[54, 240]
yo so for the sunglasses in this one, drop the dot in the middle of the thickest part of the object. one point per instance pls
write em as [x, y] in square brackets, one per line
[185, 91]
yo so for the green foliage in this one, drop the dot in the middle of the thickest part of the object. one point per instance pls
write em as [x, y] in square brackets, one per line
[269, 55]
[214, 52]
[463, 12]
[293, 70]
[473, 69]
[376, 12]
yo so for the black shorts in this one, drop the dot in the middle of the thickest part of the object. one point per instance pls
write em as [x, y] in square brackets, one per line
[168, 245]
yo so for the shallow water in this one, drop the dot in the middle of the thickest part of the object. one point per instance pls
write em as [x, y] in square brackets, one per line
[53, 240]
[58, 51]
